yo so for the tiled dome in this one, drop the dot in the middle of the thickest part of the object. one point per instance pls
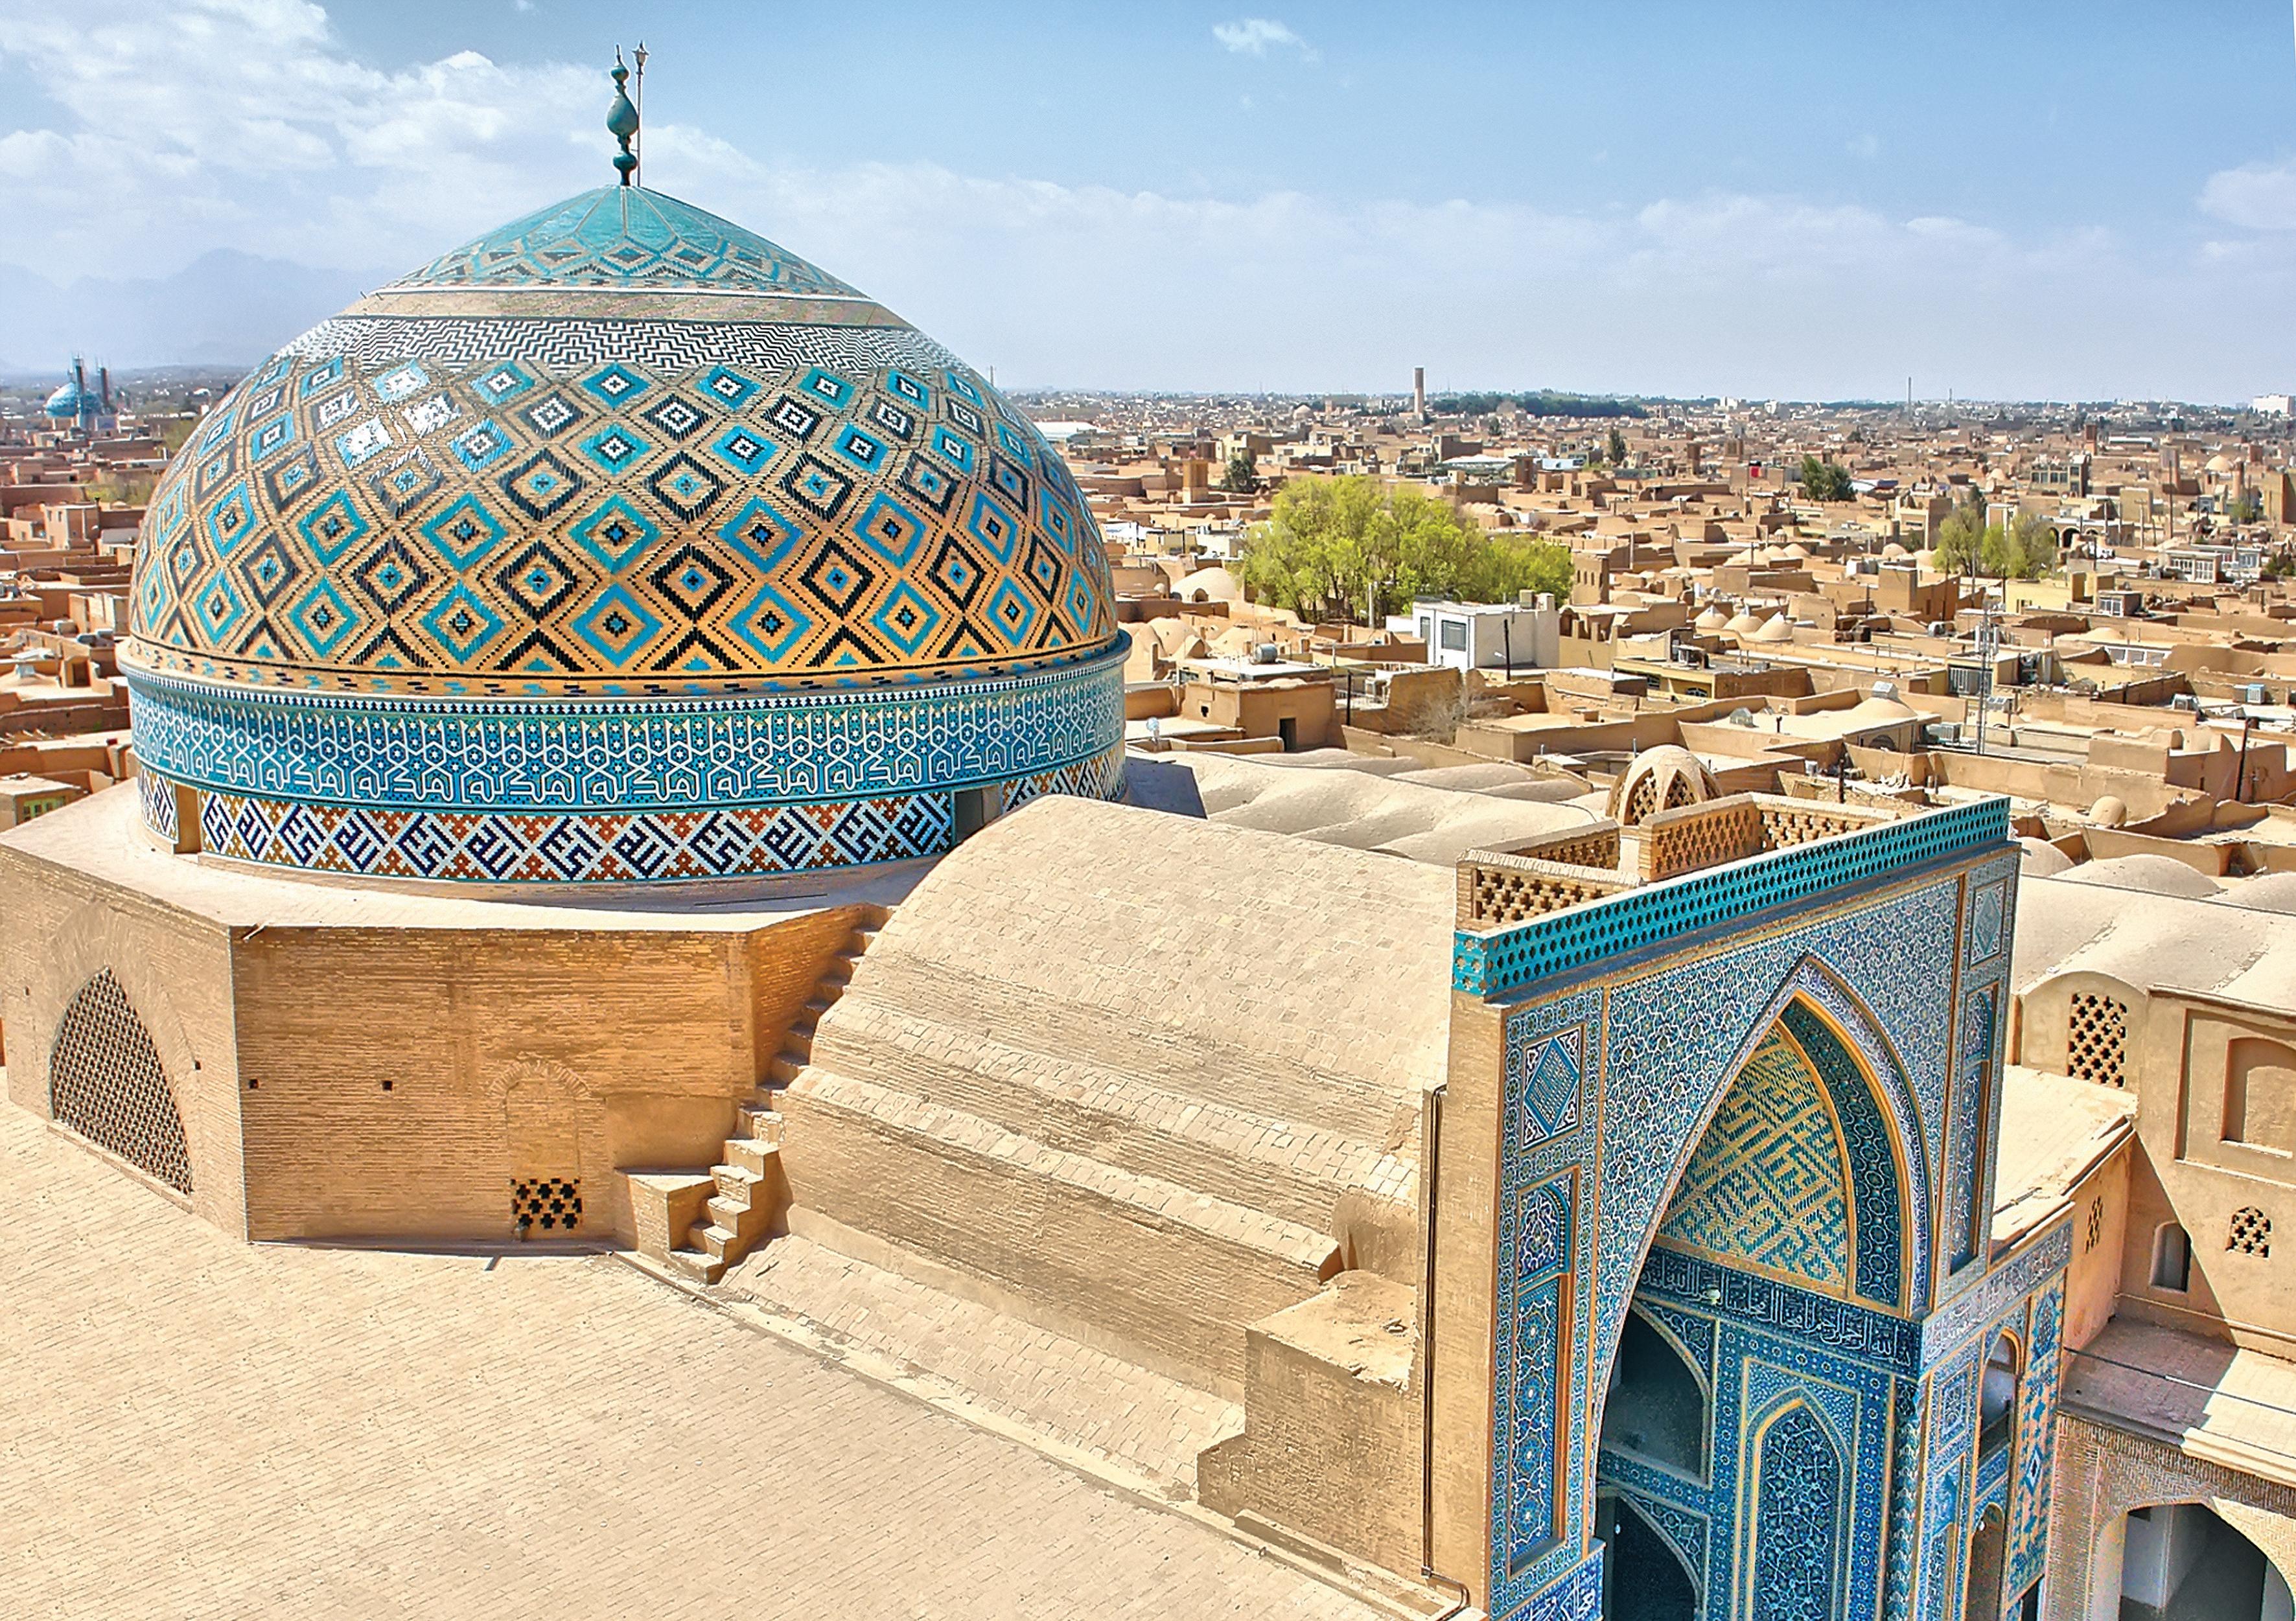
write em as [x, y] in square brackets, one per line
[625, 467]
[618, 446]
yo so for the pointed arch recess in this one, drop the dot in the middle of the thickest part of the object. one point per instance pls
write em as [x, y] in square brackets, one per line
[1797, 1488]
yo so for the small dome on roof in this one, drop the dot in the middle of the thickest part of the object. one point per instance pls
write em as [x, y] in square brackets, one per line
[2146, 874]
[2110, 811]
[1777, 627]
[2041, 859]
[1713, 619]
[2268, 892]
[1666, 778]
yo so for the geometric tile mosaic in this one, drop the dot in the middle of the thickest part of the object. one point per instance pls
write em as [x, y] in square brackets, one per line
[544, 754]
[661, 847]
[618, 441]
[1767, 1183]
[1796, 1267]
[616, 544]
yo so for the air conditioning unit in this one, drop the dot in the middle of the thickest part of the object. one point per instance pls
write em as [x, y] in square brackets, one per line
[1885, 689]
[2258, 692]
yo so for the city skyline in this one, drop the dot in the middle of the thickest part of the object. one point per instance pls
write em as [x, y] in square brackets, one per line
[1196, 199]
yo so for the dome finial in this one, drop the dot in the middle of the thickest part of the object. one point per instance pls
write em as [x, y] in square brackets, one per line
[622, 118]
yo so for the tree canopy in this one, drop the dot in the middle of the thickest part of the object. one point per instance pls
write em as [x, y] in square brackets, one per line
[2025, 549]
[1539, 402]
[1330, 542]
[1242, 475]
[1823, 480]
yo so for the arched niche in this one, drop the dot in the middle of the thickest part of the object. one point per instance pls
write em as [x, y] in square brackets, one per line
[1658, 1407]
[1998, 1377]
[1647, 1578]
[1796, 1174]
[1798, 1498]
[2084, 1025]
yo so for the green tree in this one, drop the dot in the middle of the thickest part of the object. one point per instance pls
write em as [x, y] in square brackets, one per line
[1616, 449]
[1824, 480]
[2024, 549]
[1961, 536]
[1331, 544]
[1242, 475]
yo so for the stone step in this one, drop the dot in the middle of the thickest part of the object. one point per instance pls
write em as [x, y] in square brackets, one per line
[735, 1181]
[721, 1243]
[698, 1265]
[783, 1069]
[748, 1155]
[799, 1043]
[1294, 1171]
[663, 1204]
[759, 1123]
[1144, 1261]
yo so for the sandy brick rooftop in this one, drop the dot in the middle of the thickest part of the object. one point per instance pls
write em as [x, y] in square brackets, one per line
[197, 1426]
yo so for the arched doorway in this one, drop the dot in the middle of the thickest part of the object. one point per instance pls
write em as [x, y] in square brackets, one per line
[1643, 1577]
[1986, 1545]
[2181, 1561]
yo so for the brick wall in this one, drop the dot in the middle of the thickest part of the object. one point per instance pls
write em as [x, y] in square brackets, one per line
[61, 930]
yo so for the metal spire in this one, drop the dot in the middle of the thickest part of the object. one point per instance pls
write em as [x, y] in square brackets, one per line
[622, 119]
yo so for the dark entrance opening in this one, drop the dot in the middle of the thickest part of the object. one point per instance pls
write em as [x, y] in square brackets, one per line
[1657, 1408]
[1643, 1577]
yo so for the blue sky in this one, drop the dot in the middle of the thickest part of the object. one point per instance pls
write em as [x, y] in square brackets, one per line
[2005, 200]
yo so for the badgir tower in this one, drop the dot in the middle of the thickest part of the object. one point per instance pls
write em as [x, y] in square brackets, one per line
[631, 752]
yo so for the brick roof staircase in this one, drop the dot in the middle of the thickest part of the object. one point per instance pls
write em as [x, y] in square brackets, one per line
[744, 1197]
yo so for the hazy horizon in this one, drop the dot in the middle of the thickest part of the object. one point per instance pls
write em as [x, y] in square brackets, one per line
[2010, 204]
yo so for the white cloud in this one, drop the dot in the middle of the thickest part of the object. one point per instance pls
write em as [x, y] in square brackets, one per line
[247, 124]
[1255, 35]
[2260, 196]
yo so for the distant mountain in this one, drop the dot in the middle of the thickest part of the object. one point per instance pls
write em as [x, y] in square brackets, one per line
[225, 308]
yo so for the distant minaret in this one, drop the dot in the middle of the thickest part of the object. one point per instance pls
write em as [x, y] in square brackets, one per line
[1419, 390]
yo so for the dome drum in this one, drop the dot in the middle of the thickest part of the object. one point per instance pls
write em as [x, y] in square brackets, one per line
[616, 520]
[567, 790]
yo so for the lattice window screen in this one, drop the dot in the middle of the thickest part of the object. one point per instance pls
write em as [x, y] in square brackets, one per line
[2096, 1038]
[546, 1204]
[105, 1082]
[2251, 1233]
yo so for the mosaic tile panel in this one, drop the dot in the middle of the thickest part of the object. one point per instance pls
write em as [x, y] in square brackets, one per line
[1797, 1532]
[157, 797]
[2036, 1447]
[1677, 1035]
[1488, 964]
[658, 846]
[1577, 1596]
[378, 526]
[565, 755]
[1974, 1068]
[1766, 1182]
